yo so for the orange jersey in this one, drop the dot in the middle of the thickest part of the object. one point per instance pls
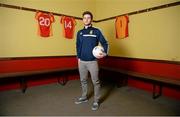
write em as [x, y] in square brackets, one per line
[121, 26]
[68, 26]
[45, 21]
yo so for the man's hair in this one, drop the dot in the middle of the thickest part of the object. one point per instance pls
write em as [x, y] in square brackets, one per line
[89, 13]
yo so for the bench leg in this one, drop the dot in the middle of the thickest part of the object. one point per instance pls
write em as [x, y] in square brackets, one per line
[121, 82]
[62, 80]
[156, 95]
[23, 85]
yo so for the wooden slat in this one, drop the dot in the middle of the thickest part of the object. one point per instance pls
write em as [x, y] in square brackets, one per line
[163, 79]
[142, 11]
[28, 73]
[96, 21]
[35, 10]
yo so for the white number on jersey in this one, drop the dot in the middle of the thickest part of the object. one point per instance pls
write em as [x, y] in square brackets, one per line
[68, 24]
[44, 21]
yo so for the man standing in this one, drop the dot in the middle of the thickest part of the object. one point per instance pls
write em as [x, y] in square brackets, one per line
[87, 39]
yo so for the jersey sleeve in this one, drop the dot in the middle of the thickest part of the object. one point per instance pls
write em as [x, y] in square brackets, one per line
[103, 41]
[74, 21]
[52, 18]
[62, 19]
[37, 14]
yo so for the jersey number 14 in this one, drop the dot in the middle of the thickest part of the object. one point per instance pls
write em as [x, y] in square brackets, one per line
[68, 24]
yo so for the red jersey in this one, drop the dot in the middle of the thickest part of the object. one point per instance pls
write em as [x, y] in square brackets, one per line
[121, 26]
[45, 21]
[68, 26]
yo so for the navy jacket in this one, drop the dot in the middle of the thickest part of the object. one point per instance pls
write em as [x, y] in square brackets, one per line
[86, 40]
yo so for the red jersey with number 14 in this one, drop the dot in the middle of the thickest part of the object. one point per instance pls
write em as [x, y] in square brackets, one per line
[45, 21]
[68, 26]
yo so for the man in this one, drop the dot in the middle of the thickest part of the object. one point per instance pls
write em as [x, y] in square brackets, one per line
[87, 39]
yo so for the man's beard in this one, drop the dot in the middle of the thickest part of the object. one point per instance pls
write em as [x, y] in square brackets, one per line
[87, 24]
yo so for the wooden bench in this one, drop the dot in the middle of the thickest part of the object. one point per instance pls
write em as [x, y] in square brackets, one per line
[157, 81]
[22, 76]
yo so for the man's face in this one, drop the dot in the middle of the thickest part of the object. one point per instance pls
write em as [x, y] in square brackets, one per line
[87, 19]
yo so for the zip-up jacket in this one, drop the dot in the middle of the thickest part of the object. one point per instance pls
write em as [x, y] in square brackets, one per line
[86, 40]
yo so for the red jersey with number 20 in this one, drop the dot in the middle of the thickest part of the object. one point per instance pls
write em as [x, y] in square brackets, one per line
[68, 26]
[45, 21]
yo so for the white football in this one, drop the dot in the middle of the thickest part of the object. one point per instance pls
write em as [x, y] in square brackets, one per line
[97, 51]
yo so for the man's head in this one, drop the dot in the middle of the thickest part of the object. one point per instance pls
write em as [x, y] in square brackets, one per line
[87, 18]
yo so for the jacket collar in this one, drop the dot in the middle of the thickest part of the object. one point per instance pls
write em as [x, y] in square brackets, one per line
[89, 26]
